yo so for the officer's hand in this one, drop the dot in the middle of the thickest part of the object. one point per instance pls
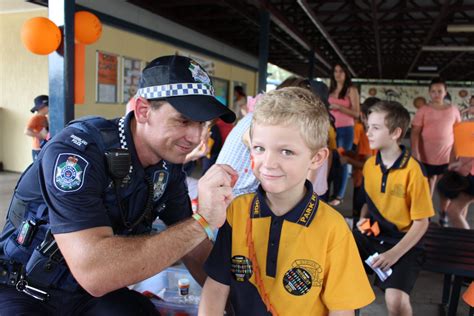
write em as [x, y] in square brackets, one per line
[215, 193]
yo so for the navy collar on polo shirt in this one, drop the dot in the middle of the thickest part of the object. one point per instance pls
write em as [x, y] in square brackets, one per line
[400, 163]
[303, 213]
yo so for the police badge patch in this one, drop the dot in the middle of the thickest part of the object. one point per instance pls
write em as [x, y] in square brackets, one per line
[199, 74]
[160, 180]
[69, 172]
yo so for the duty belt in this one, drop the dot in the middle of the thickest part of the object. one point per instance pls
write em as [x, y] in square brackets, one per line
[12, 274]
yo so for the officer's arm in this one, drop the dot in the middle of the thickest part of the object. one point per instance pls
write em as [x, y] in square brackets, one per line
[195, 259]
[102, 262]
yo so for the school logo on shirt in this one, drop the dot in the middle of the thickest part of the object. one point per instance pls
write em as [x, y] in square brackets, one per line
[160, 180]
[69, 172]
[398, 190]
[241, 268]
[303, 274]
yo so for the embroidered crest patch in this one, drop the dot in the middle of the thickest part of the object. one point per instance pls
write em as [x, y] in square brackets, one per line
[303, 274]
[69, 172]
[241, 268]
[160, 180]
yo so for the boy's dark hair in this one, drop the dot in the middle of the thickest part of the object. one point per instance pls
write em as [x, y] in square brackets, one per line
[396, 115]
[240, 90]
[368, 103]
[438, 80]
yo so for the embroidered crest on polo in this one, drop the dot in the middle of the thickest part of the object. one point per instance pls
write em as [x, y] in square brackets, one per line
[175, 90]
[69, 172]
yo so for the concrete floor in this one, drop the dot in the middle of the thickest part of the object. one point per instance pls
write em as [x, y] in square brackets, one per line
[426, 295]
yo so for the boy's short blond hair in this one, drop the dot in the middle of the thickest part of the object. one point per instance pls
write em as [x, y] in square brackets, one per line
[396, 115]
[297, 107]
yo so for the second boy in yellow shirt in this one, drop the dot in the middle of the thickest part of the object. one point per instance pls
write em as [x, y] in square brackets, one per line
[398, 199]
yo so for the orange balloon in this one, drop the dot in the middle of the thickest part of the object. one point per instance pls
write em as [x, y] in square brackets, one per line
[40, 36]
[87, 27]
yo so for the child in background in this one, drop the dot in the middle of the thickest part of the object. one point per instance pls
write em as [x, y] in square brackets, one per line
[418, 102]
[317, 269]
[398, 200]
[468, 113]
[432, 137]
[38, 125]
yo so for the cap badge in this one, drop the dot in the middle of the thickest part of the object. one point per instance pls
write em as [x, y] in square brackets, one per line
[199, 74]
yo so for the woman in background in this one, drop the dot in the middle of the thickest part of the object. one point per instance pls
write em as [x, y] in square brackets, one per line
[345, 107]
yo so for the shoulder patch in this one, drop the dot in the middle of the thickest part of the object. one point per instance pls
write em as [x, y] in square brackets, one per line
[69, 172]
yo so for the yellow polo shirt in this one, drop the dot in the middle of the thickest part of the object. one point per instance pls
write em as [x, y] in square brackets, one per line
[399, 194]
[307, 258]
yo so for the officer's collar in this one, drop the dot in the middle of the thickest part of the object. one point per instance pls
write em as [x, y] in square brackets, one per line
[127, 141]
[303, 213]
[400, 163]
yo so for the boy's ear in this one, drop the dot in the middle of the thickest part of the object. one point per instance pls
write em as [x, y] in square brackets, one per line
[142, 108]
[396, 134]
[319, 157]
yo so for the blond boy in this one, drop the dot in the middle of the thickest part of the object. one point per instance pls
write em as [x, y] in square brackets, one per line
[282, 251]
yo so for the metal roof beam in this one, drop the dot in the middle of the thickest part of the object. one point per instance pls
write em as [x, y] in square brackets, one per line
[377, 36]
[309, 12]
[443, 12]
[282, 22]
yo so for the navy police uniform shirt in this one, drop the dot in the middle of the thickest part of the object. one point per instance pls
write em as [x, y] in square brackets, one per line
[76, 185]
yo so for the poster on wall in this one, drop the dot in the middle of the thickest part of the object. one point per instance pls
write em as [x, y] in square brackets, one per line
[221, 87]
[107, 77]
[131, 69]
[406, 95]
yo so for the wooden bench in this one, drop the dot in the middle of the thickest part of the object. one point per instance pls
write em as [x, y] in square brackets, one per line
[450, 251]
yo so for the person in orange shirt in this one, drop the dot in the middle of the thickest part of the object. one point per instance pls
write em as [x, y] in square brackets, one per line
[38, 126]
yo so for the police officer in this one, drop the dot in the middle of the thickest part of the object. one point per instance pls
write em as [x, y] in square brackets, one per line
[78, 229]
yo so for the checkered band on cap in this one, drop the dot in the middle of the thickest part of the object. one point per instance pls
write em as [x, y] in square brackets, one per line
[175, 90]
